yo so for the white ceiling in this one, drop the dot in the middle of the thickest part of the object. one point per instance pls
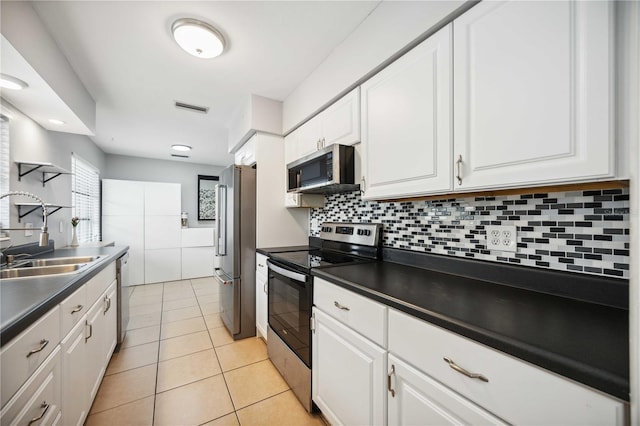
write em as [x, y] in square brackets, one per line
[124, 54]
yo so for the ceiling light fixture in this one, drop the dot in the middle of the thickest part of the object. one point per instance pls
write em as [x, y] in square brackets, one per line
[198, 38]
[56, 122]
[183, 148]
[10, 82]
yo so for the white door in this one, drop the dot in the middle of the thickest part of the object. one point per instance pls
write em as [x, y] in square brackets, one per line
[348, 374]
[94, 339]
[406, 123]
[341, 121]
[122, 197]
[414, 398]
[110, 318]
[533, 86]
[128, 231]
[197, 262]
[291, 148]
[75, 387]
[162, 232]
[261, 305]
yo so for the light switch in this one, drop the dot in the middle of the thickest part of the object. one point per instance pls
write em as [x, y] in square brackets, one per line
[28, 229]
[61, 226]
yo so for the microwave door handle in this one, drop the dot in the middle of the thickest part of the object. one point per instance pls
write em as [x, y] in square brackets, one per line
[285, 272]
[221, 216]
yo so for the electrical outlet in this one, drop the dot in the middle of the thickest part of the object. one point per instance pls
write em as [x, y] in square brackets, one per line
[28, 229]
[503, 237]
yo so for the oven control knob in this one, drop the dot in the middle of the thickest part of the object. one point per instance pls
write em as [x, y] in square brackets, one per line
[367, 232]
[359, 231]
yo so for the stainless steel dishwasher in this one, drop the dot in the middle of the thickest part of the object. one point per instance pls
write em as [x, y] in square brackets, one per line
[124, 291]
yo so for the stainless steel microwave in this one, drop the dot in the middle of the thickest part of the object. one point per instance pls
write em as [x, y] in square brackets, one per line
[326, 171]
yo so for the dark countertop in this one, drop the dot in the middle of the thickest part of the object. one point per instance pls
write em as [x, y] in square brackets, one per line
[24, 300]
[584, 341]
[268, 250]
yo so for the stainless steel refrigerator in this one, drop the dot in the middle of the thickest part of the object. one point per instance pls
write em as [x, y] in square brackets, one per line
[236, 248]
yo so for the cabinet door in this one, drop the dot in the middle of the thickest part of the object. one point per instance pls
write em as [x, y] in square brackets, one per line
[95, 367]
[162, 199]
[162, 232]
[122, 197]
[197, 262]
[162, 265]
[341, 121]
[75, 391]
[309, 137]
[127, 230]
[291, 147]
[417, 399]
[533, 103]
[348, 374]
[406, 123]
[261, 304]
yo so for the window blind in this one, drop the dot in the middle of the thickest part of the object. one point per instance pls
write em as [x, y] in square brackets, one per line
[85, 194]
[4, 172]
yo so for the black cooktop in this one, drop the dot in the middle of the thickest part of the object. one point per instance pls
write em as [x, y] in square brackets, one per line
[315, 258]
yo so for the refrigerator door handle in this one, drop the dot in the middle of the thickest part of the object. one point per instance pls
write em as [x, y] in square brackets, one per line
[221, 222]
[219, 277]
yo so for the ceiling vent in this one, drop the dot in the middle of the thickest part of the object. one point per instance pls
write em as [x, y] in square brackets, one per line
[179, 156]
[194, 108]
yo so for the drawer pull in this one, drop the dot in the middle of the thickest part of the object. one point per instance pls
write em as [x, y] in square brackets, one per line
[90, 331]
[391, 390]
[77, 309]
[46, 408]
[339, 306]
[459, 166]
[463, 371]
[43, 344]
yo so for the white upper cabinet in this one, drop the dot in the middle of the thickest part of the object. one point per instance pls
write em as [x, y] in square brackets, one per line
[122, 197]
[162, 199]
[406, 123]
[339, 123]
[291, 147]
[533, 93]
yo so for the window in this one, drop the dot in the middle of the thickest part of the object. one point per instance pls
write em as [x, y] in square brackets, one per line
[85, 194]
[4, 171]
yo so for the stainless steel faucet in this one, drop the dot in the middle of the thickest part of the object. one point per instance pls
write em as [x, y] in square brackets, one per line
[44, 231]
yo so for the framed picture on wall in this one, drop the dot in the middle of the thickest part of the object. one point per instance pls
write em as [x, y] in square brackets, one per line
[207, 197]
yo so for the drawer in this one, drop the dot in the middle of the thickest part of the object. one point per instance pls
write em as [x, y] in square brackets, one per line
[516, 391]
[22, 356]
[98, 284]
[261, 265]
[363, 315]
[72, 309]
[40, 396]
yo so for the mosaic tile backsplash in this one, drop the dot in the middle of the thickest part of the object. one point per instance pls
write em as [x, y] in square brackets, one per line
[583, 231]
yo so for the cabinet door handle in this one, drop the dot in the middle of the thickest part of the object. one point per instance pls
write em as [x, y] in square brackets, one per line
[264, 287]
[459, 166]
[318, 144]
[463, 371]
[77, 309]
[43, 344]
[339, 306]
[363, 187]
[46, 408]
[322, 145]
[90, 331]
[389, 388]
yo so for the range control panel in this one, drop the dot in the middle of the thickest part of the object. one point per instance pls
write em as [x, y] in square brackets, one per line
[368, 234]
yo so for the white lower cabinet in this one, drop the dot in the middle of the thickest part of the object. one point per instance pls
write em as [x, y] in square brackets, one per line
[262, 304]
[414, 398]
[51, 372]
[74, 381]
[162, 265]
[348, 374]
[197, 262]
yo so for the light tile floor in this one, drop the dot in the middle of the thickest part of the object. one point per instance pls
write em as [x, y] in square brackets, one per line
[179, 366]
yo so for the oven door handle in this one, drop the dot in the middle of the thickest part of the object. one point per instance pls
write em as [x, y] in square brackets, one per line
[287, 273]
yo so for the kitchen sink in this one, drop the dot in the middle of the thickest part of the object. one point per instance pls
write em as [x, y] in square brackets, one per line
[36, 271]
[54, 261]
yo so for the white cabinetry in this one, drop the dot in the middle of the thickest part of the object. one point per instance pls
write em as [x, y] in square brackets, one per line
[545, 398]
[262, 281]
[339, 123]
[162, 265]
[406, 123]
[533, 104]
[348, 370]
[197, 252]
[151, 224]
[52, 370]
[417, 399]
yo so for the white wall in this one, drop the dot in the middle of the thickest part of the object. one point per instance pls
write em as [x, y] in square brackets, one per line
[151, 170]
[30, 142]
[387, 30]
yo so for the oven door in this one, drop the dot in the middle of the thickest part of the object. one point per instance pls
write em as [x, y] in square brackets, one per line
[289, 308]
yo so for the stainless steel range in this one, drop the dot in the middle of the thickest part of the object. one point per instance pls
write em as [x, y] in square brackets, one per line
[291, 296]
